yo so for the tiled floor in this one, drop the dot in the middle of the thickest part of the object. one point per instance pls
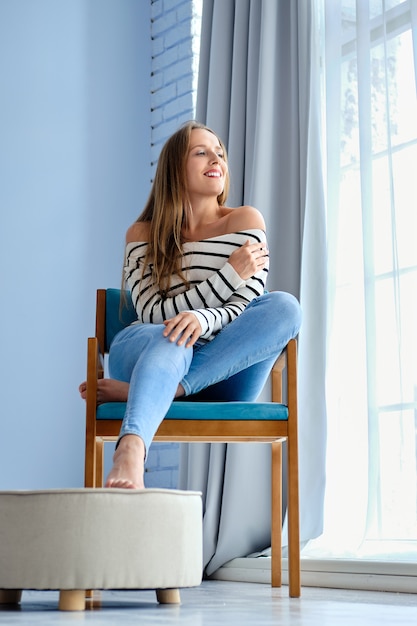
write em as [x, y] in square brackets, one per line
[218, 603]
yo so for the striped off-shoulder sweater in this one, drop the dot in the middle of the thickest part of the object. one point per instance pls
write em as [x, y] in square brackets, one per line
[216, 293]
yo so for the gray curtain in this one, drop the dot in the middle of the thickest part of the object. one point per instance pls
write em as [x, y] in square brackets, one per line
[254, 91]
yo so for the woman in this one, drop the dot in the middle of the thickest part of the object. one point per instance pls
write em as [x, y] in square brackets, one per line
[196, 270]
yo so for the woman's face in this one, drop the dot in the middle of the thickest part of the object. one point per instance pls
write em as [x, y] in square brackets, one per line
[206, 166]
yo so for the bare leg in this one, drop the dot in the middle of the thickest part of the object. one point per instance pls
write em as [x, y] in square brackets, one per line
[128, 464]
[180, 391]
[112, 390]
[128, 460]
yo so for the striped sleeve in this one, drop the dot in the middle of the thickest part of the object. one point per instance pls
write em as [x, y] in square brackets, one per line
[212, 320]
[216, 293]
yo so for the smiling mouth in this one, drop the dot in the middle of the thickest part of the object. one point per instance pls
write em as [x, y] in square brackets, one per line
[213, 174]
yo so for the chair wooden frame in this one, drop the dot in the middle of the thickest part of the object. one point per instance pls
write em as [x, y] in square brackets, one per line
[226, 431]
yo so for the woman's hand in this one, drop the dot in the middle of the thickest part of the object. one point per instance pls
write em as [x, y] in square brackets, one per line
[183, 328]
[249, 259]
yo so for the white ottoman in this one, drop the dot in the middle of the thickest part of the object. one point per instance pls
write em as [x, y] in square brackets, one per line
[74, 540]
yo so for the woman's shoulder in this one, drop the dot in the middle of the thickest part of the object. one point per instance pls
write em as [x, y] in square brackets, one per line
[244, 218]
[139, 231]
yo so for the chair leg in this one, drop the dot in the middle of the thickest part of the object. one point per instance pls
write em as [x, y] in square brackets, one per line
[276, 515]
[10, 596]
[293, 533]
[292, 466]
[72, 600]
[168, 596]
[99, 463]
[90, 464]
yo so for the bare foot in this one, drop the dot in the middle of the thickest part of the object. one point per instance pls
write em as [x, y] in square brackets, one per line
[108, 390]
[112, 390]
[128, 464]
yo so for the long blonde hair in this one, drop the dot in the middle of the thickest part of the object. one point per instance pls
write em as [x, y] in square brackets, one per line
[166, 208]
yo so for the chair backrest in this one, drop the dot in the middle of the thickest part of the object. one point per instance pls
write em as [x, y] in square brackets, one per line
[117, 317]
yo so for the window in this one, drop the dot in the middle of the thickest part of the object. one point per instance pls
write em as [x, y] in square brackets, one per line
[372, 225]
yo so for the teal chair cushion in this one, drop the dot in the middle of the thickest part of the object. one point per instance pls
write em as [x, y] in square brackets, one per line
[206, 411]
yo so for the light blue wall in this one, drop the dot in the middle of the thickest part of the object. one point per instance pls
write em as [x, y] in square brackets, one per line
[74, 173]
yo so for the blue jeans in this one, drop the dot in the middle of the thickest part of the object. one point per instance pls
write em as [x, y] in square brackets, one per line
[233, 366]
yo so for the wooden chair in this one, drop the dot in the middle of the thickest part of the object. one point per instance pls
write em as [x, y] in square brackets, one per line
[269, 422]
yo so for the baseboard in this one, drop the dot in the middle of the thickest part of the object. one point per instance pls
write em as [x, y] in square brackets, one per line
[331, 573]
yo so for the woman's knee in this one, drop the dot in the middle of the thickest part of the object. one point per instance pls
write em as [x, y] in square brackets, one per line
[281, 300]
[145, 345]
[280, 307]
[287, 302]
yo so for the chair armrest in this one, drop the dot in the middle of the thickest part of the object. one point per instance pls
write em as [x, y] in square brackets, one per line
[276, 376]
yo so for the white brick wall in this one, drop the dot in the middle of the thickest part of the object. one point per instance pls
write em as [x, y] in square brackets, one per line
[175, 32]
[161, 469]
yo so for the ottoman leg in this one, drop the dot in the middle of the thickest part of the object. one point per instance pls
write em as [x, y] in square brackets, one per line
[168, 596]
[72, 600]
[10, 596]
